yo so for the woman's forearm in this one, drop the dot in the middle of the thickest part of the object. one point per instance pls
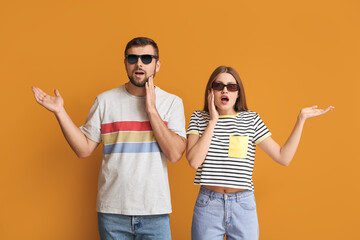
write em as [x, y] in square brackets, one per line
[197, 148]
[287, 151]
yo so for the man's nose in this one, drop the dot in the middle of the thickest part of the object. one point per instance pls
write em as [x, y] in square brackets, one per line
[139, 62]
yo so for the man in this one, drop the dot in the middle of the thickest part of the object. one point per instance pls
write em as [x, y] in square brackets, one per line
[141, 127]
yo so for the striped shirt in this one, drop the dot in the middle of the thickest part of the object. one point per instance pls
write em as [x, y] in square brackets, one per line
[230, 158]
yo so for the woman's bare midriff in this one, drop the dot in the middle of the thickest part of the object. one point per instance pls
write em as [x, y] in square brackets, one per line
[223, 189]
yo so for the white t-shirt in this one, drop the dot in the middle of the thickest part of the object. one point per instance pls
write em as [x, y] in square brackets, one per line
[133, 178]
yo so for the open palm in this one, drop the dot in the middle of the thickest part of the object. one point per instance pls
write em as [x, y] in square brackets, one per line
[53, 104]
[313, 111]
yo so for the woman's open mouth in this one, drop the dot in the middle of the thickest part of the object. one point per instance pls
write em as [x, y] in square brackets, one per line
[224, 99]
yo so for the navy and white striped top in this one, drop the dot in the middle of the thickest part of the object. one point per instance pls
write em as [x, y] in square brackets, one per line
[230, 158]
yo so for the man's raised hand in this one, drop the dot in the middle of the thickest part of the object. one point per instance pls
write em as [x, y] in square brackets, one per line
[53, 104]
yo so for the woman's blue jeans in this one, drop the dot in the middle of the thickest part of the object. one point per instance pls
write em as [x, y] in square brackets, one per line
[217, 214]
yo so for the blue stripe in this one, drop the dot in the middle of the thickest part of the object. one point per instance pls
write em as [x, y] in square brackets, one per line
[129, 147]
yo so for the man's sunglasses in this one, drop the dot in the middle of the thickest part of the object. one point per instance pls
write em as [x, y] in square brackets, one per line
[220, 86]
[146, 58]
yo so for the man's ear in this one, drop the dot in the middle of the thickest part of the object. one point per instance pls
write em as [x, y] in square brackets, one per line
[157, 66]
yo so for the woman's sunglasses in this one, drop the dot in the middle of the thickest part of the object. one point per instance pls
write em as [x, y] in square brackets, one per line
[220, 86]
[146, 58]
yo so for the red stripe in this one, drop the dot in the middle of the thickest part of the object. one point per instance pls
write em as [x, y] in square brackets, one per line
[126, 126]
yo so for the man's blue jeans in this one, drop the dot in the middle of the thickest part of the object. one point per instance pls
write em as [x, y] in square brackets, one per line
[149, 227]
[217, 214]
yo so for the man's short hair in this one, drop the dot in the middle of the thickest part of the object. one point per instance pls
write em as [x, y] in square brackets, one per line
[140, 42]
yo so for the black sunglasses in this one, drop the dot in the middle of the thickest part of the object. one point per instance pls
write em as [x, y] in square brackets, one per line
[146, 58]
[220, 86]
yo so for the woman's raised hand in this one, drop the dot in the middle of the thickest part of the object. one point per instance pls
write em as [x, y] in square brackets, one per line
[313, 111]
[53, 104]
[214, 115]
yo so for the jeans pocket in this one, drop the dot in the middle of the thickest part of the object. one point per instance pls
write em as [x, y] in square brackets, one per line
[238, 146]
[202, 200]
[248, 202]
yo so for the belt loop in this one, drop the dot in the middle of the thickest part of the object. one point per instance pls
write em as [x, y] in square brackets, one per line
[211, 195]
[237, 197]
[132, 224]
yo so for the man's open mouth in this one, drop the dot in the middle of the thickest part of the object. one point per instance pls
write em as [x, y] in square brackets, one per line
[139, 73]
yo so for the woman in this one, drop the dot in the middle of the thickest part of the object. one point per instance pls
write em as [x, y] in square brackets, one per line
[221, 146]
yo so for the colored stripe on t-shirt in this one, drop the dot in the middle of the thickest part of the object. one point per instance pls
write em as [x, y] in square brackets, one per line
[126, 126]
[129, 147]
[116, 137]
[129, 137]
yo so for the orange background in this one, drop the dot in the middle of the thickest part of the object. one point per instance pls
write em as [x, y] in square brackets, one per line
[290, 54]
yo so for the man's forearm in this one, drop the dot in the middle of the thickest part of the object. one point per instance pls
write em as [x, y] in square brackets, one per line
[171, 144]
[73, 135]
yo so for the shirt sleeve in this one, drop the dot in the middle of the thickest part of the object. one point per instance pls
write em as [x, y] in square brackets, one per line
[92, 126]
[261, 131]
[176, 122]
[193, 125]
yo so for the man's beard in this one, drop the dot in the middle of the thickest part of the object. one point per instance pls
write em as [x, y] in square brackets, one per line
[142, 83]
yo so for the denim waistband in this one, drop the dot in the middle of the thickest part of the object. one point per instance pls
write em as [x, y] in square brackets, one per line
[237, 195]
